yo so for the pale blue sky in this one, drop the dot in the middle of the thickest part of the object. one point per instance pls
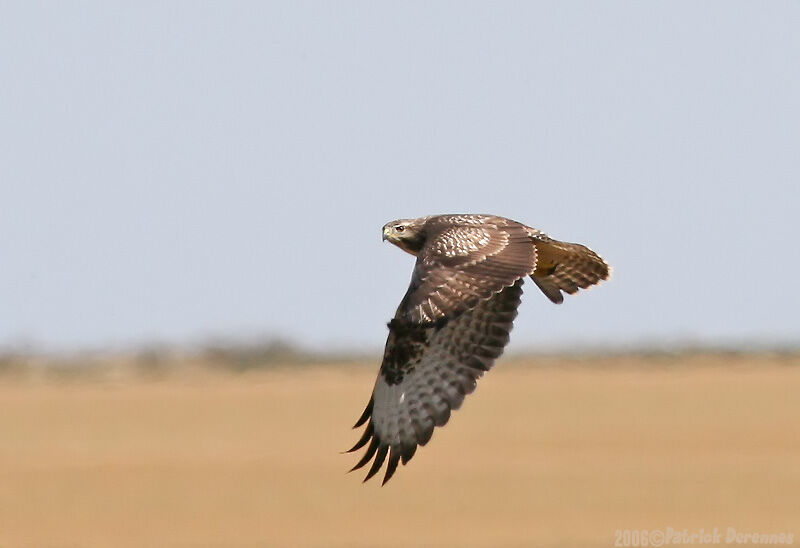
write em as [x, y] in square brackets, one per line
[173, 171]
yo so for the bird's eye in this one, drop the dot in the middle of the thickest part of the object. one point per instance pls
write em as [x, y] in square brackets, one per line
[399, 228]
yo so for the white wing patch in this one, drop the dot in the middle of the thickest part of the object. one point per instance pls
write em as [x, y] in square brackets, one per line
[461, 241]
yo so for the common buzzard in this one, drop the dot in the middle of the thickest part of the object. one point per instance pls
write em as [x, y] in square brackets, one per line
[455, 319]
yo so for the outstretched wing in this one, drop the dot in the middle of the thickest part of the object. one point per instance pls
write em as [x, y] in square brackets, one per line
[466, 259]
[427, 371]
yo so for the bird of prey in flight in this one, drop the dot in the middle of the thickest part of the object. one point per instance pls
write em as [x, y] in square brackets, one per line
[455, 319]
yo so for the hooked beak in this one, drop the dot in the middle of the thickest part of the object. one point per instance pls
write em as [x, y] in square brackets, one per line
[385, 233]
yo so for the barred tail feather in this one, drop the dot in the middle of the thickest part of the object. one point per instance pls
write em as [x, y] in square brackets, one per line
[566, 267]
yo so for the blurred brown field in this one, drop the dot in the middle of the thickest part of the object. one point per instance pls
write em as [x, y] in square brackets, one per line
[548, 452]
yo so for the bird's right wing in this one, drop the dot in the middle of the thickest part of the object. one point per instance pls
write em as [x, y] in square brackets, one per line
[426, 372]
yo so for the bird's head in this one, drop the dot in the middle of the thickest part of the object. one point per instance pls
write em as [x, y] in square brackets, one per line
[407, 234]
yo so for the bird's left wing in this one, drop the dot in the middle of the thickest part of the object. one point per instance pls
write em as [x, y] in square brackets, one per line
[426, 372]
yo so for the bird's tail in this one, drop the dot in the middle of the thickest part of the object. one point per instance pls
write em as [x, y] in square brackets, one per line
[567, 267]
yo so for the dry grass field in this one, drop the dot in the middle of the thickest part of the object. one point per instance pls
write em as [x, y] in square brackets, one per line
[551, 452]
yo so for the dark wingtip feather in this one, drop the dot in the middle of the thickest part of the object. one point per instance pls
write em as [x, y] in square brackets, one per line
[394, 458]
[373, 446]
[408, 450]
[364, 438]
[441, 417]
[366, 414]
[481, 364]
[379, 458]
[424, 431]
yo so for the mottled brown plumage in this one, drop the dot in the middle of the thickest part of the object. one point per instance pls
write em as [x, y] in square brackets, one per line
[455, 320]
